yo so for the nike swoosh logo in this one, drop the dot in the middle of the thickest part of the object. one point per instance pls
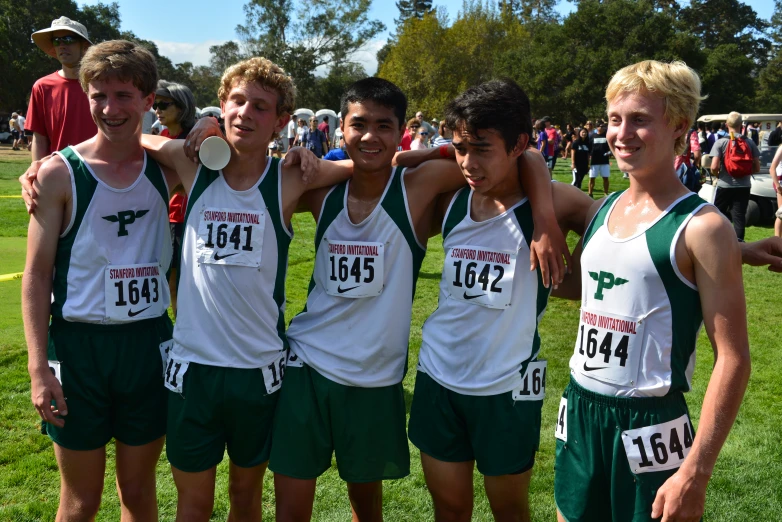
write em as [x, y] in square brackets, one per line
[343, 290]
[468, 297]
[131, 313]
[218, 257]
[589, 368]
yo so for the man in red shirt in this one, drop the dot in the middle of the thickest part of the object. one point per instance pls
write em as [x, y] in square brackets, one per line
[59, 111]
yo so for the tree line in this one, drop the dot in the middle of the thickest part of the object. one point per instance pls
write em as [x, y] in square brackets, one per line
[565, 63]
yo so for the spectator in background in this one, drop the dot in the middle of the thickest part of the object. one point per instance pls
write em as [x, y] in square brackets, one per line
[324, 128]
[420, 139]
[149, 120]
[692, 148]
[752, 132]
[13, 124]
[775, 137]
[59, 111]
[291, 132]
[300, 130]
[444, 135]
[423, 123]
[22, 136]
[600, 158]
[588, 126]
[339, 153]
[776, 181]
[732, 195]
[552, 144]
[580, 153]
[314, 139]
[407, 138]
[175, 108]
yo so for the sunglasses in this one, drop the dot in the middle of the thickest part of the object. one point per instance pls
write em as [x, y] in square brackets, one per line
[162, 105]
[65, 40]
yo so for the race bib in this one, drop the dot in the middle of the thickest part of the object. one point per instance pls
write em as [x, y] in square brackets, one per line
[230, 237]
[133, 292]
[294, 361]
[165, 347]
[659, 447]
[479, 276]
[54, 367]
[355, 269]
[174, 376]
[609, 347]
[273, 374]
[560, 430]
[533, 384]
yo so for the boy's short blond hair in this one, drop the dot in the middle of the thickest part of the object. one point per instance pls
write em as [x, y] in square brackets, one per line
[267, 74]
[734, 121]
[678, 85]
[122, 60]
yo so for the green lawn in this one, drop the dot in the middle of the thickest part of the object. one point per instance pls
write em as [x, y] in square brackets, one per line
[746, 483]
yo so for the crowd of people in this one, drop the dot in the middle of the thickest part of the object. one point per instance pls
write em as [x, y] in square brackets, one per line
[106, 363]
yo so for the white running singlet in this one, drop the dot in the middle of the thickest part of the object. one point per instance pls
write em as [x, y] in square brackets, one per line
[640, 317]
[111, 261]
[484, 333]
[356, 325]
[231, 298]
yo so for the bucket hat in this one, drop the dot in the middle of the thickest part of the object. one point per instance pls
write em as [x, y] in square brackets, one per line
[43, 40]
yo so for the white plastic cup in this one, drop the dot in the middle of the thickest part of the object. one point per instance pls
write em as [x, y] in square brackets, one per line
[214, 153]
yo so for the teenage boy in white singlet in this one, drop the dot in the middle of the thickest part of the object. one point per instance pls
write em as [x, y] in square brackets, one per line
[657, 264]
[480, 384]
[99, 244]
[343, 390]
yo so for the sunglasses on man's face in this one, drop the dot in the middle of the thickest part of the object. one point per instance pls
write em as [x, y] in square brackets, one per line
[162, 105]
[65, 40]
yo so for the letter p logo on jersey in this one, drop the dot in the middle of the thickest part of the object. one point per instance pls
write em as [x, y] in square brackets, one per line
[605, 281]
[125, 218]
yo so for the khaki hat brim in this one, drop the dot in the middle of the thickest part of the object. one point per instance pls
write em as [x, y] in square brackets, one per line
[44, 42]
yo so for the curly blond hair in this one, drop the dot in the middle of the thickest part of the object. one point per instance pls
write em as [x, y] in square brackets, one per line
[677, 84]
[267, 74]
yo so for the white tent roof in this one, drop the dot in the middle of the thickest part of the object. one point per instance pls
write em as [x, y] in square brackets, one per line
[211, 111]
[326, 112]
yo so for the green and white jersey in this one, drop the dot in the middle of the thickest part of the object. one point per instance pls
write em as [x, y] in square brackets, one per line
[111, 260]
[484, 333]
[231, 298]
[355, 327]
[640, 317]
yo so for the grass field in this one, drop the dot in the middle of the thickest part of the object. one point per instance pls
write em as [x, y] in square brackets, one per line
[746, 486]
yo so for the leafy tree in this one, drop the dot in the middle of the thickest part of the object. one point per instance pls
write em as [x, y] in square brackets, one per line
[727, 79]
[411, 9]
[720, 22]
[530, 11]
[775, 27]
[565, 68]
[432, 62]
[302, 36]
[769, 92]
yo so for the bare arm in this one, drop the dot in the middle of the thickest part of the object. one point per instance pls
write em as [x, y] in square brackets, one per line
[40, 146]
[773, 169]
[715, 261]
[413, 158]
[296, 181]
[548, 244]
[53, 188]
[170, 154]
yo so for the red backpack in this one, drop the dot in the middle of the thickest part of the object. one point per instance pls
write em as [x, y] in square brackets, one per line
[738, 158]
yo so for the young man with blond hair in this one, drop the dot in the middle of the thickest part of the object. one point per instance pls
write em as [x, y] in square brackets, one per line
[657, 264]
[98, 249]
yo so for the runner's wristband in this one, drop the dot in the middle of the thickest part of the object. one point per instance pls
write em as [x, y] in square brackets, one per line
[444, 152]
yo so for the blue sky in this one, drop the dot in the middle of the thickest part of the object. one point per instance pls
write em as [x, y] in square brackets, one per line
[184, 29]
